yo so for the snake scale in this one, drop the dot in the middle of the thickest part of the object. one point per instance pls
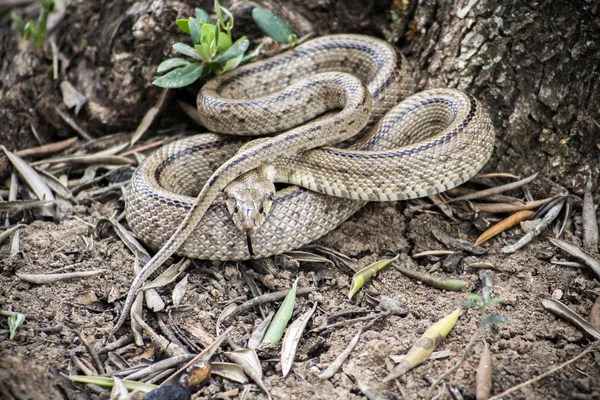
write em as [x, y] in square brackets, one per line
[320, 93]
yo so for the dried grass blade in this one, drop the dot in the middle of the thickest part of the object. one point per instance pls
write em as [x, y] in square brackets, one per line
[179, 291]
[20, 205]
[151, 115]
[559, 309]
[483, 379]
[500, 208]
[87, 159]
[108, 382]
[497, 175]
[578, 253]
[6, 234]
[71, 122]
[495, 190]
[365, 274]
[588, 220]
[423, 347]
[304, 256]
[54, 184]
[595, 314]
[33, 179]
[503, 225]
[169, 275]
[47, 148]
[42, 279]
[282, 317]
[339, 360]
[291, 340]
[227, 311]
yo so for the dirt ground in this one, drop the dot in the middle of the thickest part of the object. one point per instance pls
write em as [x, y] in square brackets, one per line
[112, 51]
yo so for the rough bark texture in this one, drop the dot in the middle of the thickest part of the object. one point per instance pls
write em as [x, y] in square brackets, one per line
[535, 65]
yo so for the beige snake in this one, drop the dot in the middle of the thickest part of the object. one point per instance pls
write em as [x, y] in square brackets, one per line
[426, 144]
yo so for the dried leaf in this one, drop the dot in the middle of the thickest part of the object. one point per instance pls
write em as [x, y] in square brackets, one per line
[227, 311]
[595, 314]
[291, 340]
[119, 391]
[41, 279]
[33, 179]
[339, 360]
[589, 222]
[259, 333]
[250, 364]
[423, 348]
[7, 233]
[282, 317]
[503, 225]
[71, 97]
[440, 283]
[365, 274]
[179, 291]
[483, 379]
[230, 371]
[108, 382]
[559, 309]
[577, 252]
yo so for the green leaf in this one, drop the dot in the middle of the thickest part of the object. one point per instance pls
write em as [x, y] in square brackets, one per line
[470, 304]
[183, 24]
[195, 30]
[495, 300]
[186, 50]
[171, 63]
[14, 322]
[236, 50]
[180, 77]
[202, 16]
[203, 50]
[251, 56]
[109, 382]
[493, 319]
[475, 298]
[282, 317]
[365, 274]
[274, 26]
[232, 64]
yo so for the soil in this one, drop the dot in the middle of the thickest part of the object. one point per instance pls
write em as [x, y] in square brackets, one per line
[109, 52]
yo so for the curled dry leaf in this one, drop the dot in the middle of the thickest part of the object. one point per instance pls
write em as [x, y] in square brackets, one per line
[230, 371]
[339, 360]
[483, 379]
[578, 253]
[365, 274]
[291, 340]
[248, 361]
[503, 225]
[259, 333]
[227, 311]
[559, 309]
[423, 348]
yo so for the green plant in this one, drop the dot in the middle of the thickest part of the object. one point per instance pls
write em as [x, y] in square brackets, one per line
[473, 301]
[31, 31]
[213, 51]
[14, 322]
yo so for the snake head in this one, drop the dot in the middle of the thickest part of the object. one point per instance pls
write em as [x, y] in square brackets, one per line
[249, 199]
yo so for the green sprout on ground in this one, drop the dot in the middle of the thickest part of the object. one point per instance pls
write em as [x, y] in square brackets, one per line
[14, 322]
[32, 31]
[213, 51]
[487, 320]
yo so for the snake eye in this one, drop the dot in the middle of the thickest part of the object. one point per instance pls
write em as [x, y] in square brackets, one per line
[261, 209]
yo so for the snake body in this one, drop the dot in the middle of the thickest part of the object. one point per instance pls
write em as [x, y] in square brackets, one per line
[423, 145]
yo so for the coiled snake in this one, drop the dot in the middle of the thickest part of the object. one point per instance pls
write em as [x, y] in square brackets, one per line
[426, 144]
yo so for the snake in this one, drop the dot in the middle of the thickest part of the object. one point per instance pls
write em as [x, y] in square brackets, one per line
[323, 92]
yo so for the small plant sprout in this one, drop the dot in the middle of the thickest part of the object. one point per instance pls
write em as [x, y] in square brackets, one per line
[213, 51]
[35, 32]
[14, 322]
[473, 301]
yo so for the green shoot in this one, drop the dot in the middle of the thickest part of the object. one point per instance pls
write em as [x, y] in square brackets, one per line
[473, 301]
[31, 31]
[213, 51]
[14, 322]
